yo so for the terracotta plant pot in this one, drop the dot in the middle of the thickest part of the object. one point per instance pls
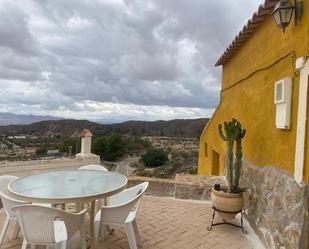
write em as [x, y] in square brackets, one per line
[227, 202]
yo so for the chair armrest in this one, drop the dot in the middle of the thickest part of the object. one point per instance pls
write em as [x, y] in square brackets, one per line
[116, 214]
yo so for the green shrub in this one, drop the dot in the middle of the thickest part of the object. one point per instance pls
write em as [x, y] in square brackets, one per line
[154, 158]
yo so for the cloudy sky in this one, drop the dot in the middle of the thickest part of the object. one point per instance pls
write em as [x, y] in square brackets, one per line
[115, 59]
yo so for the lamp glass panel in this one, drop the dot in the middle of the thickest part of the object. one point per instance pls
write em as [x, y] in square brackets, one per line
[286, 15]
[277, 18]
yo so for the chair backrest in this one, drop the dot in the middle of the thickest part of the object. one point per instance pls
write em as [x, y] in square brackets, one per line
[94, 167]
[7, 200]
[123, 203]
[37, 222]
[8, 204]
[4, 182]
[128, 195]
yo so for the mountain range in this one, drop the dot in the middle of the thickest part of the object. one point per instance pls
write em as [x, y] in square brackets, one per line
[7, 118]
[71, 127]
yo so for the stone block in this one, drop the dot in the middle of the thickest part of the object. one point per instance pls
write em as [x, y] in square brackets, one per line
[276, 206]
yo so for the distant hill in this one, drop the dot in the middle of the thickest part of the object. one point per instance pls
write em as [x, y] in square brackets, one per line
[68, 127]
[7, 118]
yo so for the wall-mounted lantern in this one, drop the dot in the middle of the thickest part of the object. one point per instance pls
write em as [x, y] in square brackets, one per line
[283, 12]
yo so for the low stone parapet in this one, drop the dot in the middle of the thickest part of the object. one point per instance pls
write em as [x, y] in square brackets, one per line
[184, 186]
[157, 186]
[21, 168]
[196, 187]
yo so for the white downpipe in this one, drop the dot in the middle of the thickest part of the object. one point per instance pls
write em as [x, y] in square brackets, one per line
[301, 124]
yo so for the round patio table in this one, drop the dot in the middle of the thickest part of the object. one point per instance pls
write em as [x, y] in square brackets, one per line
[69, 186]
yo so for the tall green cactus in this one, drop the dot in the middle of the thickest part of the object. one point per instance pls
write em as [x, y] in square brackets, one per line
[229, 137]
[239, 135]
[233, 132]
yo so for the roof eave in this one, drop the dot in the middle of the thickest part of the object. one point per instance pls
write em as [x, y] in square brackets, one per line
[253, 23]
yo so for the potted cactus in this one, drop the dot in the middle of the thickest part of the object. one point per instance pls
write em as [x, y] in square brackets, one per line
[230, 200]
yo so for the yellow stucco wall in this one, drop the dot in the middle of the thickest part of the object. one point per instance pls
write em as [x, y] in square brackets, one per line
[248, 95]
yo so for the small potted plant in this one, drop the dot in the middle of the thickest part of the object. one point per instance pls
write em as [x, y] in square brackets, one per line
[230, 200]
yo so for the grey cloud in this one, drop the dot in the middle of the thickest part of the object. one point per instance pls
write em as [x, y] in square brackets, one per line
[14, 32]
[158, 52]
[147, 67]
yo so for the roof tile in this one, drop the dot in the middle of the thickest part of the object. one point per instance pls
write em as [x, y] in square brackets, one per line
[253, 23]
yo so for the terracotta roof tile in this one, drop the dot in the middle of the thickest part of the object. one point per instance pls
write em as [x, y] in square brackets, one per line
[253, 23]
[85, 133]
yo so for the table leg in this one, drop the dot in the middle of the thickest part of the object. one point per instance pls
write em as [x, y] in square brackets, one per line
[91, 224]
[79, 206]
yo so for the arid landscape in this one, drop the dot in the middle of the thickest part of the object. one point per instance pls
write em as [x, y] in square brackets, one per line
[178, 139]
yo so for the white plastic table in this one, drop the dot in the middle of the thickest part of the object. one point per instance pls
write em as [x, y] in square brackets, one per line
[69, 186]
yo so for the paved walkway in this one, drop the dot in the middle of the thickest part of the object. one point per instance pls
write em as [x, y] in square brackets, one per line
[168, 223]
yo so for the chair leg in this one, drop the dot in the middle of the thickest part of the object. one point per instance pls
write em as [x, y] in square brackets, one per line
[98, 230]
[24, 246]
[131, 236]
[137, 235]
[4, 229]
[16, 230]
[61, 245]
[83, 237]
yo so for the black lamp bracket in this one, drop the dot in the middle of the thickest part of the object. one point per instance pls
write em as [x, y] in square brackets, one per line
[299, 9]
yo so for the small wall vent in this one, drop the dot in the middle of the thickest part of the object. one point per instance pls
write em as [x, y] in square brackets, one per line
[282, 99]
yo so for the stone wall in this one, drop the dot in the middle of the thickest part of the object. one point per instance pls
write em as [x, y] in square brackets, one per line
[276, 207]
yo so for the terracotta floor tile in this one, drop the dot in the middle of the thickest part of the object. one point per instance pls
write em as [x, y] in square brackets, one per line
[169, 223]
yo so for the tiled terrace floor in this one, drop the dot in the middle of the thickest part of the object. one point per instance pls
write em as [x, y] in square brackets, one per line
[169, 223]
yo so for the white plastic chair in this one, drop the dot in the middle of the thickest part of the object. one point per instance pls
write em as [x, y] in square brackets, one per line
[8, 202]
[121, 211]
[93, 167]
[51, 227]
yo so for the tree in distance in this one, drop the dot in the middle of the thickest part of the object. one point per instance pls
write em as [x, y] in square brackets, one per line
[109, 148]
[72, 142]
